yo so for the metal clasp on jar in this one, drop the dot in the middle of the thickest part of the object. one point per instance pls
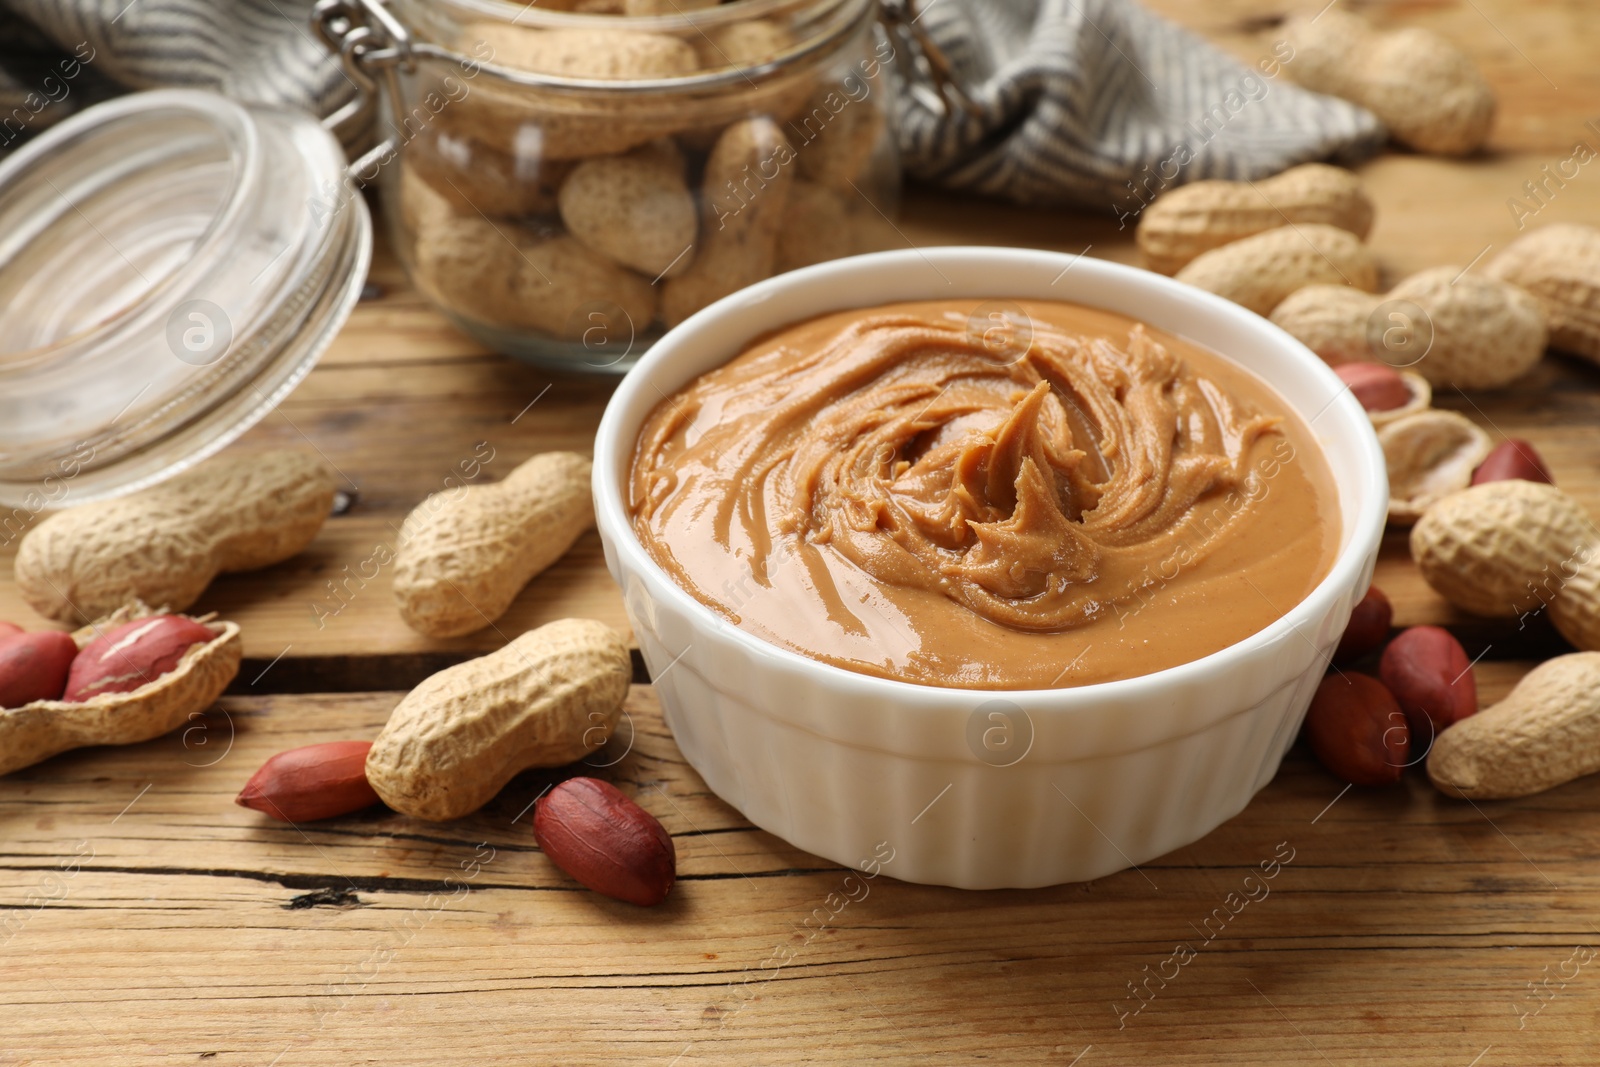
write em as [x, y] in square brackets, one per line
[371, 43]
[930, 74]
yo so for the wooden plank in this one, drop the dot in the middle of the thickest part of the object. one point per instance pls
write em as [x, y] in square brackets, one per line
[146, 919]
[145, 916]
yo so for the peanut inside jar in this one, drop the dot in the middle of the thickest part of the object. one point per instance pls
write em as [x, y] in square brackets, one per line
[578, 176]
[992, 495]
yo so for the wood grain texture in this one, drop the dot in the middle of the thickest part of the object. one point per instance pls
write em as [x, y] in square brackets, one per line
[398, 425]
[145, 919]
[149, 919]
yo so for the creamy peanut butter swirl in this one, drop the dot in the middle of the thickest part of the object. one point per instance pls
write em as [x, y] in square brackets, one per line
[869, 487]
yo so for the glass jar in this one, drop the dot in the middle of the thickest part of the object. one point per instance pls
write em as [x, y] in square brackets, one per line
[566, 184]
[171, 264]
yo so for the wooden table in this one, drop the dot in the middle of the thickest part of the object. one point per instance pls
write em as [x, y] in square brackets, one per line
[146, 919]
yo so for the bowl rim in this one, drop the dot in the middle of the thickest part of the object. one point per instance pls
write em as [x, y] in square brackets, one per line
[1366, 525]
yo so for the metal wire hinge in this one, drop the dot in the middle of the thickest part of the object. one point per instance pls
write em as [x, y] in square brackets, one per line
[902, 21]
[370, 43]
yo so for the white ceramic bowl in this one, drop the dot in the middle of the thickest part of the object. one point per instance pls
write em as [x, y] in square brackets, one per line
[1083, 782]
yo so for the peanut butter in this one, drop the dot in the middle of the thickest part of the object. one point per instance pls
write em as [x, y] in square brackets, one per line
[1016, 496]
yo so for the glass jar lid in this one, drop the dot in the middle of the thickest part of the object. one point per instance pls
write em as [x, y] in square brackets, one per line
[172, 264]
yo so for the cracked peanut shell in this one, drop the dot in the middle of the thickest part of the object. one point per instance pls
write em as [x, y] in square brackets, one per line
[1421, 399]
[1429, 455]
[45, 728]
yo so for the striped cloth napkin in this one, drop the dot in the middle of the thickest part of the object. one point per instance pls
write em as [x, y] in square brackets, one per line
[1102, 104]
[1097, 103]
